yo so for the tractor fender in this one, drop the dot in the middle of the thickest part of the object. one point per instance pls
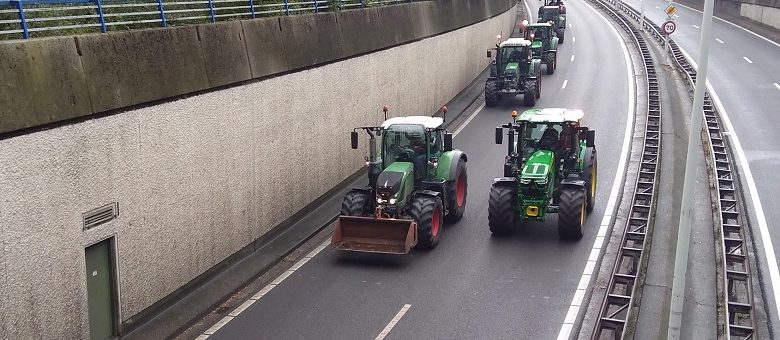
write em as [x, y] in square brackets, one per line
[536, 64]
[448, 164]
[573, 180]
[554, 44]
[428, 193]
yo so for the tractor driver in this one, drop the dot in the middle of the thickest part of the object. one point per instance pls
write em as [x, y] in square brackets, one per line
[417, 144]
[549, 139]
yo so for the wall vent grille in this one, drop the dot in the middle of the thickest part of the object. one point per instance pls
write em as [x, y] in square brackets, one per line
[100, 215]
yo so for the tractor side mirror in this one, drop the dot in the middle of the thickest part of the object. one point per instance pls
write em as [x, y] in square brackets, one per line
[590, 138]
[354, 137]
[499, 135]
[447, 141]
[489, 54]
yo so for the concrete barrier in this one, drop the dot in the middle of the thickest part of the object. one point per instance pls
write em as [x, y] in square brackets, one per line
[264, 46]
[224, 53]
[311, 39]
[40, 80]
[134, 67]
[363, 31]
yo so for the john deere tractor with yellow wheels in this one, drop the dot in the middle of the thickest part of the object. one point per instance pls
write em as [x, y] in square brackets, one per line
[551, 167]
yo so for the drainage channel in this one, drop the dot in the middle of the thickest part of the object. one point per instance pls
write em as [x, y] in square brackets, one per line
[738, 293]
[616, 313]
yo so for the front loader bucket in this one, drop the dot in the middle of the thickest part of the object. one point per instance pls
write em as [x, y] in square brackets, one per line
[368, 234]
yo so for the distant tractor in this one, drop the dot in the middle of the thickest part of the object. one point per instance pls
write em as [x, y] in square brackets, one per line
[415, 183]
[551, 167]
[514, 71]
[554, 13]
[544, 44]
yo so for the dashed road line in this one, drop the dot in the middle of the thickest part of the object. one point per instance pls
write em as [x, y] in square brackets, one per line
[733, 24]
[573, 39]
[658, 7]
[695, 26]
[718, 40]
[564, 84]
[572, 58]
[676, 16]
[748, 60]
[570, 26]
[393, 322]
[777, 86]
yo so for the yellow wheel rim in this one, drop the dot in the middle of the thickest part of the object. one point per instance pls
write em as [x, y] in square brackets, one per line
[582, 214]
[593, 183]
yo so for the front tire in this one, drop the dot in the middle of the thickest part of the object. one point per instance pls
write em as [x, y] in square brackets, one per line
[355, 203]
[427, 212]
[491, 93]
[571, 213]
[458, 190]
[590, 176]
[501, 209]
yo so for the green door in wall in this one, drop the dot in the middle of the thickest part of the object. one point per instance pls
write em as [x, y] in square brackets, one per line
[99, 291]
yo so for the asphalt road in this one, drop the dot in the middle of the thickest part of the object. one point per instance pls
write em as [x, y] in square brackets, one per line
[745, 74]
[473, 285]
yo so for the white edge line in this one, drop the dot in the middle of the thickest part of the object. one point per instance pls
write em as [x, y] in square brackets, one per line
[769, 250]
[777, 86]
[393, 322]
[566, 328]
[202, 337]
[468, 120]
[238, 310]
[733, 24]
[748, 60]
[528, 11]
[564, 84]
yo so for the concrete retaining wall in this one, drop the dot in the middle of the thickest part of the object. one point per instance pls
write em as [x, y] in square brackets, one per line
[198, 178]
[763, 14]
[104, 72]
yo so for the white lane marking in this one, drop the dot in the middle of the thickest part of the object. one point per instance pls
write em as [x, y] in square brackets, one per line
[617, 185]
[718, 40]
[748, 60]
[695, 26]
[570, 26]
[238, 310]
[468, 120]
[777, 86]
[658, 7]
[394, 321]
[733, 24]
[573, 39]
[564, 83]
[769, 250]
[676, 16]
[572, 58]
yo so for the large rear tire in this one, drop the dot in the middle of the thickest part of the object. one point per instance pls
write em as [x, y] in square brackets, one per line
[538, 87]
[491, 93]
[549, 60]
[529, 95]
[356, 204]
[457, 192]
[590, 176]
[501, 209]
[571, 213]
[427, 211]
[560, 36]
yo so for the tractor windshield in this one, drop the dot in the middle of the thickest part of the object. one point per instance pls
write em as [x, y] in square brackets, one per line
[536, 134]
[548, 14]
[405, 142]
[539, 32]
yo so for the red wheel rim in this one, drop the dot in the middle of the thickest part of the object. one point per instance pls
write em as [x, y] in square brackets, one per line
[435, 223]
[460, 191]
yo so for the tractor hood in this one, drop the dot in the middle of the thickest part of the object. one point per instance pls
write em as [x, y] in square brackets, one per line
[511, 67]
[538, 166]
[536, 44]
[394, 181]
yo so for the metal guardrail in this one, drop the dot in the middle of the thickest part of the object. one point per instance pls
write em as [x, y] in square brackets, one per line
[616, 314]
[25, 18]
[738, 294]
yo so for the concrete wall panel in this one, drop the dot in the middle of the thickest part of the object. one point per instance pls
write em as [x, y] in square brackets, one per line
[224, 52]
[199, 178]
[751, 11]
[40, 81]
[264, 46]
[771, 17]
[311, 39]
[422, 18]
[134, 67]
[396, 22]
[361, 31]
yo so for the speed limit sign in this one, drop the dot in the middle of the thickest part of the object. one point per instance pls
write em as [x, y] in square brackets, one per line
[669, 27]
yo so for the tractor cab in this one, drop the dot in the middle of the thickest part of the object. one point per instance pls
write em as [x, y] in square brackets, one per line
[541, 35]
[416, 139]
[513, 58]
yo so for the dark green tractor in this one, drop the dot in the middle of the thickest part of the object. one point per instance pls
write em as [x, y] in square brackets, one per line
[415, 183]
[551, 168]
[555, 14]
[514, 71]
[544, 44]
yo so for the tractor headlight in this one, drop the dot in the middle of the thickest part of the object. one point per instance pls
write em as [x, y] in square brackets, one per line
[541, 181]
[392, 201]
[525, 181]
[380, 201]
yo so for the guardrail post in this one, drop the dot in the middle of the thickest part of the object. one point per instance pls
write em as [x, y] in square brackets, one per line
[163, 22]
[22, 19]
[362, 4]
[252, 8]
[341, 5]
[286, 8]
[316, 6]
[211, 11]
[100, 16]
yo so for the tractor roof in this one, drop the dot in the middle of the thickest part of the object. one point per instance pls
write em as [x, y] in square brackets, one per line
[551, 115]
[428, 122]
[514, 42]
[551, 7]
[540, 24]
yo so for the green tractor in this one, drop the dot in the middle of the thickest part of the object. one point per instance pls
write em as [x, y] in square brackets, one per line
[544, 44]
[415, 183]
[551, 168]
[554, 12]
[514, 71]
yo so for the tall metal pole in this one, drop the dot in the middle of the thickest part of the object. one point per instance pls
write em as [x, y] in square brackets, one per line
[642, 14]
[693, 159]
